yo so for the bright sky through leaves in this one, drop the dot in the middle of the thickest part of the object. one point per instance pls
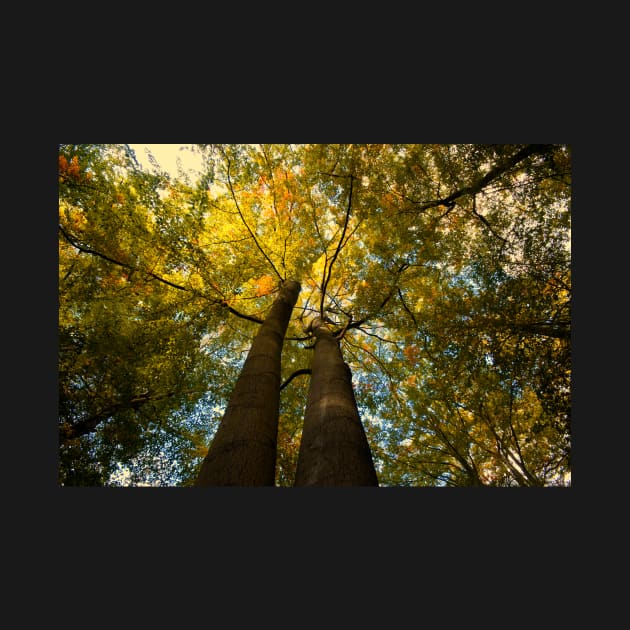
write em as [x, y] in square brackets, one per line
[167, 156]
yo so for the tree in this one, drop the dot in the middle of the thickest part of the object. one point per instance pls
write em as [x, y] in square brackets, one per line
[441, 271]
[129, 365]
[334, 450]
[243, 451]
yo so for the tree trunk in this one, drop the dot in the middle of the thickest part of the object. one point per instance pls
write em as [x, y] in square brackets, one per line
[334, 450]
[243, 451]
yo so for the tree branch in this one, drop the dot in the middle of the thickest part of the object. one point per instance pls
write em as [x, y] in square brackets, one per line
[88, 250]
[296, 373]
[362, 321]
[402, 301]
[340, 244]
[251, 318]
[262, 251]
[481, 183]
[484, 220]
[71, 430]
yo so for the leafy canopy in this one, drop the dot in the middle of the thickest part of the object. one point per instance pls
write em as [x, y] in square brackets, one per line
[444, 269]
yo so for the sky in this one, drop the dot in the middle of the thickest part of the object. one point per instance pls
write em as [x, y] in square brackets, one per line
[166, 155]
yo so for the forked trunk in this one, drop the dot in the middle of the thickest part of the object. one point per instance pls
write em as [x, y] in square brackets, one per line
[243, 451]
[334, 450]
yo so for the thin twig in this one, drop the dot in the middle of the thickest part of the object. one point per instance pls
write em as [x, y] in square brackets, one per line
[338, 249]
[262, 251]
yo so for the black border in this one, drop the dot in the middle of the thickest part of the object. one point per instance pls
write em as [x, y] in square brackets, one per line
[446, 533]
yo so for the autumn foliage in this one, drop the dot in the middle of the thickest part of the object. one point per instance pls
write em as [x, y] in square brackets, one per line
[443, 269]
[71, 170]
[264, 285]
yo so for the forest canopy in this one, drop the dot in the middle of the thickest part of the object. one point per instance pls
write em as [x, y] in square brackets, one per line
[444, 271]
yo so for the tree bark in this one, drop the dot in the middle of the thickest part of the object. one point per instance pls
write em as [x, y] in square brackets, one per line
[243, 451]
[334, 450]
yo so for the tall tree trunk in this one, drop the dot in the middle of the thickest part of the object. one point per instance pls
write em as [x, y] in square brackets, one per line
[243, 451]
[334, 450]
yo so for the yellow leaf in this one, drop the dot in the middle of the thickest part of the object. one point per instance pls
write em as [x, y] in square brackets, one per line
[264, 285]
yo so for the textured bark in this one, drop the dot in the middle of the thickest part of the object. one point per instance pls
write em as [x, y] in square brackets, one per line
[243, 451]
[334, 450]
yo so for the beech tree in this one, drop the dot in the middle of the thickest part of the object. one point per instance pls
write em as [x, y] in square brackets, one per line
[334, 450]
[439, 274]
[243, 451]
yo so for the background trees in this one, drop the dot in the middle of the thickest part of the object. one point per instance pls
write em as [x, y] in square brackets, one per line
[445, 269]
